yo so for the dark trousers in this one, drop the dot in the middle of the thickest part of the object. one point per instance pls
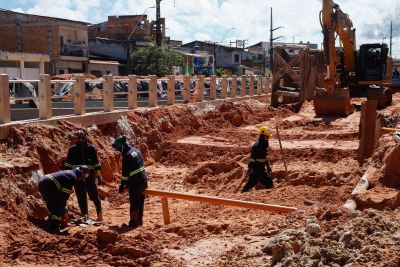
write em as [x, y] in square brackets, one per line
[55, 202]
[88, 186]
[255, 176]
[136, 199]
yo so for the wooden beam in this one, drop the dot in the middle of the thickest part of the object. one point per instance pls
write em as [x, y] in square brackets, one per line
[108, 93]
[385, 130]
[224, 86]
[260, 85]
[45, 103]
[186, 89]
[243, 81]
[171, 90]
[132, 92]
[79, 95]
[5, 114]
[213, 87]
[251, 91]
[220, 201]
[153, 91]
[200, 89]
[367, 128]
[234, 86]
[165, 209]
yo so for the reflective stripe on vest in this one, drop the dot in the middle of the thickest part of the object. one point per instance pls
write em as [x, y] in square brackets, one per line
[258, 160]
[137, 171]
[62, 189]
[55, 217]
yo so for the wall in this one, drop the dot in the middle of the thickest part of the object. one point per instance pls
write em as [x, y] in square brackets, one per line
[103, 68]
[108, 48]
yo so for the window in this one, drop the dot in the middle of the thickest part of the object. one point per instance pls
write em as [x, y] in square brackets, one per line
[236, 58]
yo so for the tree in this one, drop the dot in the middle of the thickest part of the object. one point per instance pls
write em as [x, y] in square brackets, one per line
[155, 60]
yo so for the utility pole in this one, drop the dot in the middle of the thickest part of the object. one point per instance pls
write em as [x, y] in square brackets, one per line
[158, 23]
[271, 39]
[391, 37]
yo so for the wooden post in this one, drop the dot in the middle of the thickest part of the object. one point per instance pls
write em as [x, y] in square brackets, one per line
[200, 89]
[283, 154]
[251, 90]
[186, 89]
[165, 209]
[267, 85]
[171, 90]
[243, 81]
[5, 114]
[153, 91]
[45, 103]
[213, 87]
[132, 92]
[234, 86]
[260, 86]
[108, 93]
[367, 128]
[79, 95]
[224, 86]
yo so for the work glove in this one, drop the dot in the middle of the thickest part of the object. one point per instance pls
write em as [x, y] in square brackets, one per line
[121, 188]
[99, 180]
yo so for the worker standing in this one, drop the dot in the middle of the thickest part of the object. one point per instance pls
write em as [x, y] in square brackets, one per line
[55, 189]
[133, 177]
[82, 153]
[259, 169]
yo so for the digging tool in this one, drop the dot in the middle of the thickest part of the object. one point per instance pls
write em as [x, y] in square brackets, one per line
[243, 180]
[283, 154]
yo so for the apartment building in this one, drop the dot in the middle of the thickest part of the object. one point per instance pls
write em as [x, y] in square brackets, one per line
[64, 41]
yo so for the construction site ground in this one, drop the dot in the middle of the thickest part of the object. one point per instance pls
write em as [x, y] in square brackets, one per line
[205, 151]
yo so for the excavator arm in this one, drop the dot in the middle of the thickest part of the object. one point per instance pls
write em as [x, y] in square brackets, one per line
[333, 100]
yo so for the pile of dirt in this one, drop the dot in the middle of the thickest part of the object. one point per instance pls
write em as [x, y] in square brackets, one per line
[87, 76]
[371, 239]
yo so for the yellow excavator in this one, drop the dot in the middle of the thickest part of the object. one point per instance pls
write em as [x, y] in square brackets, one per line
[350, 72]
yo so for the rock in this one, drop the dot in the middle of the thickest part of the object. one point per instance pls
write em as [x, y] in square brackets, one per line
[107, 236]
[311, 219]
[313, 228]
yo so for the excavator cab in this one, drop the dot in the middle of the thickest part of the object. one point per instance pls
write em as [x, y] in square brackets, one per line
[372, 62]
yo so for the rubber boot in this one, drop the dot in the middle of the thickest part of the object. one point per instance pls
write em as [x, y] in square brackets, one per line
[100, 216]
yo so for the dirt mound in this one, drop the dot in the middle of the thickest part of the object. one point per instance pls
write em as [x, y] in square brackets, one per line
[371, 239]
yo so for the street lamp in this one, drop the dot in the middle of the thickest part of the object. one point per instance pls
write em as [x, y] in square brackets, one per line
[128, 49]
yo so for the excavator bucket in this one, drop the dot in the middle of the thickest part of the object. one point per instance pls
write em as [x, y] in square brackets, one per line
[336, 104]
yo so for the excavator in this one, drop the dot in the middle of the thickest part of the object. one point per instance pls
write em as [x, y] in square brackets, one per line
[350, 72]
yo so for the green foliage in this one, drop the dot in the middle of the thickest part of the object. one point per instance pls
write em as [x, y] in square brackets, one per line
[155, 60]
[220, 71]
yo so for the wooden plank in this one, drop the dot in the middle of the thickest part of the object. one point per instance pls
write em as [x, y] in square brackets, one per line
[234, 86]
[79, 95]
[213, 87]
[165, 209]
[5, 113]
[224, 86]
[171, 90]
[251, 90]
[108, 93]
[153, 91]
[45, 103]
[200, 88]
[260, 85]
[367, 128]
[132, 92]
[220, 201]
[186, 89]
[243, 82]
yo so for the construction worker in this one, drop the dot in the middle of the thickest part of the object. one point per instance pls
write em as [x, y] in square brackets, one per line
[133, 177]
[259, 169]
[82, 153]
[55, 189]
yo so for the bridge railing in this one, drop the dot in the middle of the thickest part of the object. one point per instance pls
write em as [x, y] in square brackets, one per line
[180, 89]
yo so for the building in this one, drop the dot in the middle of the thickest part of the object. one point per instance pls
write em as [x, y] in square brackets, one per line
[196, 62]
[26, 66]
[226, 57]
[64, 41]
[100, 68]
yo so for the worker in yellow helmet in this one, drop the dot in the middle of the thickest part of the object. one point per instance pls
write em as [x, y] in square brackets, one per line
[259, 169]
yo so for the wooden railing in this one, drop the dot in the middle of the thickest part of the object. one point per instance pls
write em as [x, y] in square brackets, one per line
[45, 95]
[164, 195]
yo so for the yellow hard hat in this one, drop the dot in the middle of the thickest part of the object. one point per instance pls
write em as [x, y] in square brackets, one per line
[265, 131]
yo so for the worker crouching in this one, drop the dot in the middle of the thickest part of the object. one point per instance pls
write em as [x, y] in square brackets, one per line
[259, 169]
[55, 189]
[133, 177]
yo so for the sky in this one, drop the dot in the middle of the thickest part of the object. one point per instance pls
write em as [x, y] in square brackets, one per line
[228, 20]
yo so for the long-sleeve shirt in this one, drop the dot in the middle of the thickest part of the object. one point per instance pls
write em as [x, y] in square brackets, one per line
[83, 154]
